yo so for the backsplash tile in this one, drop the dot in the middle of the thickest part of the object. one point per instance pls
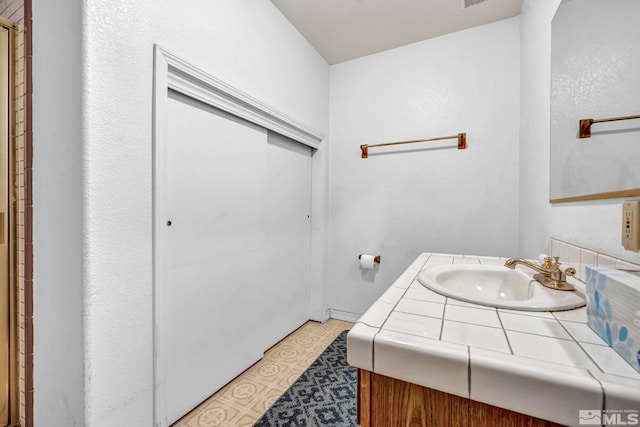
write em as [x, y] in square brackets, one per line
[606, 261]
[573, 257]
[555, 247]
[587, 257]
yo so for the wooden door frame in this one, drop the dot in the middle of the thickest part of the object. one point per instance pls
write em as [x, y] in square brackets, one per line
[9, 234]
[171, 72]
[21, 209]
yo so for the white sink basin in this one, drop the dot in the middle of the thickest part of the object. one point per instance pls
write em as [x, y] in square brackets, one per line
[497, 286]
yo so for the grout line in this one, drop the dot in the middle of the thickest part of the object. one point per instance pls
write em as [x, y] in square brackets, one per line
[584, 350]
[604, 394]
[444, 311]
[399, 299]
[505, 333]
[473, 324]
[469, 371]
[603, 344]
[570, 339]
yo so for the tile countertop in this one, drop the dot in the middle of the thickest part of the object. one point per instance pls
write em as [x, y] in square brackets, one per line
[548, 365]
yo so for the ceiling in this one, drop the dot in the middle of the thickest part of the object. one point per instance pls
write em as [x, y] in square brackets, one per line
[347, 29]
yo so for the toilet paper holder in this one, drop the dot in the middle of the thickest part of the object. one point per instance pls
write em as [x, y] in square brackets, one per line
[376, 259]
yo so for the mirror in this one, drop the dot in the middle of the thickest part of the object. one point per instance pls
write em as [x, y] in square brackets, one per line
[595, 74]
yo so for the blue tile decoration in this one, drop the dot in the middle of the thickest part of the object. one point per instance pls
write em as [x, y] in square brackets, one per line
[613, 310]
[324, 395]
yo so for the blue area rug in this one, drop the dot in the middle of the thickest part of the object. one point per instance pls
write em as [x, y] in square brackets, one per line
[324, 395]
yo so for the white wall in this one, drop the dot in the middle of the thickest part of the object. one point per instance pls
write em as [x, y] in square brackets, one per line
[58, 220]
[594, 225]
[535, 75]
[423, 199]
[246, 43]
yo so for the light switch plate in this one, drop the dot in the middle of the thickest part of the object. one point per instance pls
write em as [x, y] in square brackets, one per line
[631, 225]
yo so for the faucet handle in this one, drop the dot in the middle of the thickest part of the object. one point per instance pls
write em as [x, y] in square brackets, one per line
[546, 262]
[552, 263]
[569, 271]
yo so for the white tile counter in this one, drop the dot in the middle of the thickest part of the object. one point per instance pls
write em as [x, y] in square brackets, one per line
[548, 365]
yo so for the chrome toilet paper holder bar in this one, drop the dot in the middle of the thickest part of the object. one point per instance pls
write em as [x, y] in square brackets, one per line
[376, 259]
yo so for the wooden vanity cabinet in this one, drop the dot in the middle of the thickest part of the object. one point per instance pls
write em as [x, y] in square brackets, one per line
[388, 402]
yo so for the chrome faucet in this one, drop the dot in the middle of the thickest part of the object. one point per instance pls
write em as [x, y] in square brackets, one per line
[549, 273]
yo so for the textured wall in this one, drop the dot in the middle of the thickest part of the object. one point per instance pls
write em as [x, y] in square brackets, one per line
[535, 66]
[420, 198]
[58, 269]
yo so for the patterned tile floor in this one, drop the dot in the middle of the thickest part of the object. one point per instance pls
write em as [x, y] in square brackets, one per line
[241, 402]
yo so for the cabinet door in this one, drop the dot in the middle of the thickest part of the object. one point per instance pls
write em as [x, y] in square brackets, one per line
[389, 402]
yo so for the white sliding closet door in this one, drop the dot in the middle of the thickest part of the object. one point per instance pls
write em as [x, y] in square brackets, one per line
[288, 236]
[235, 249]
[214, 250]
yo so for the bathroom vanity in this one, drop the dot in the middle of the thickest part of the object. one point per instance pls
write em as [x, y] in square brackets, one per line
[427, 359]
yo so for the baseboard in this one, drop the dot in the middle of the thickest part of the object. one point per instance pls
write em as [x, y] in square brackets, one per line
[343, 315]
